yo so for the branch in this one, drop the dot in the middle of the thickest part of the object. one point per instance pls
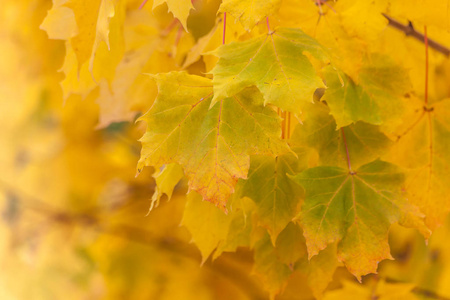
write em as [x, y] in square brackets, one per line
[418, 290]
[410, 31]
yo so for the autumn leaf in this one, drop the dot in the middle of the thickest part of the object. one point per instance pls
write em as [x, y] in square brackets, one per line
[376, 97]
[211, 41]
[362, 19]
[427, 131]
[426, 12]
[365, 142]
[166, 180]
[275, 195]
[180, 9]
[320, 270]
[275, 63]
[60, 22]
[241, 226]
[207, 224]
[270, 265]
[93, 19]
[89, 27]
[354, 208]
[320, 128]
[249, 12]
[212, 145]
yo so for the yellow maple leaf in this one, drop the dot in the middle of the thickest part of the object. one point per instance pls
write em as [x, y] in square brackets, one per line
[179, 8]
[250, 12]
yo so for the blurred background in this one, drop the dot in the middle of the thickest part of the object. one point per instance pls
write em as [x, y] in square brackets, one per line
[74, 222]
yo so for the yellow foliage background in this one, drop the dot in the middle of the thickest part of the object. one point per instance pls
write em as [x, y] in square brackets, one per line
[74, 221]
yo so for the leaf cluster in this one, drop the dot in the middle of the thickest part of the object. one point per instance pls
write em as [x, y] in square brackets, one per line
[304, 129]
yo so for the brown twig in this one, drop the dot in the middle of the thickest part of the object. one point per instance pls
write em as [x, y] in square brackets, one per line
[410, 31]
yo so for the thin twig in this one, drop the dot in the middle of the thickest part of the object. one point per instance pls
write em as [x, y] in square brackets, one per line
[425, 36]
[410, 31]
[224, 27]
[143, 4]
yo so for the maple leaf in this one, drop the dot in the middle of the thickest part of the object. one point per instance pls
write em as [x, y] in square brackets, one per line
[89, 27]
[111, 104]
[240, 228]
[359, 20]
[427, 132]
[60, 22]
[212, 145]
[362, 19]
[338, 28]
[207, 224]
[206, 44]
[179, 8]
[197, 50]
[375, 98]
[249, 12]
[146, 51]
[93, 19]
[166, 180]
[427, 12]
[320, 269]
[275, 63]
[365, 142]
[275, 195]
[354, 208]
[270, 259]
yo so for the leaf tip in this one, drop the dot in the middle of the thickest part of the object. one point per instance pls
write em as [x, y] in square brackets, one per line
[138, 171]
[214, 100]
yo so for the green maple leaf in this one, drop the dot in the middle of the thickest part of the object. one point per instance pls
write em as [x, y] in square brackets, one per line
[240, 228]
[275, 195]
[275, 63]
[375, 98]
[211, 144]
[354, 208]
[275, 263]
[365, 142]
[320, 269]
[290, 245]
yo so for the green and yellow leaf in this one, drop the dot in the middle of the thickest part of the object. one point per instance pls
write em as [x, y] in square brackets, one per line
[375, 98]
[250, 12]
[211, 144]
[275, 195]
[365, 142]
[275, 63]
[354, 208]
